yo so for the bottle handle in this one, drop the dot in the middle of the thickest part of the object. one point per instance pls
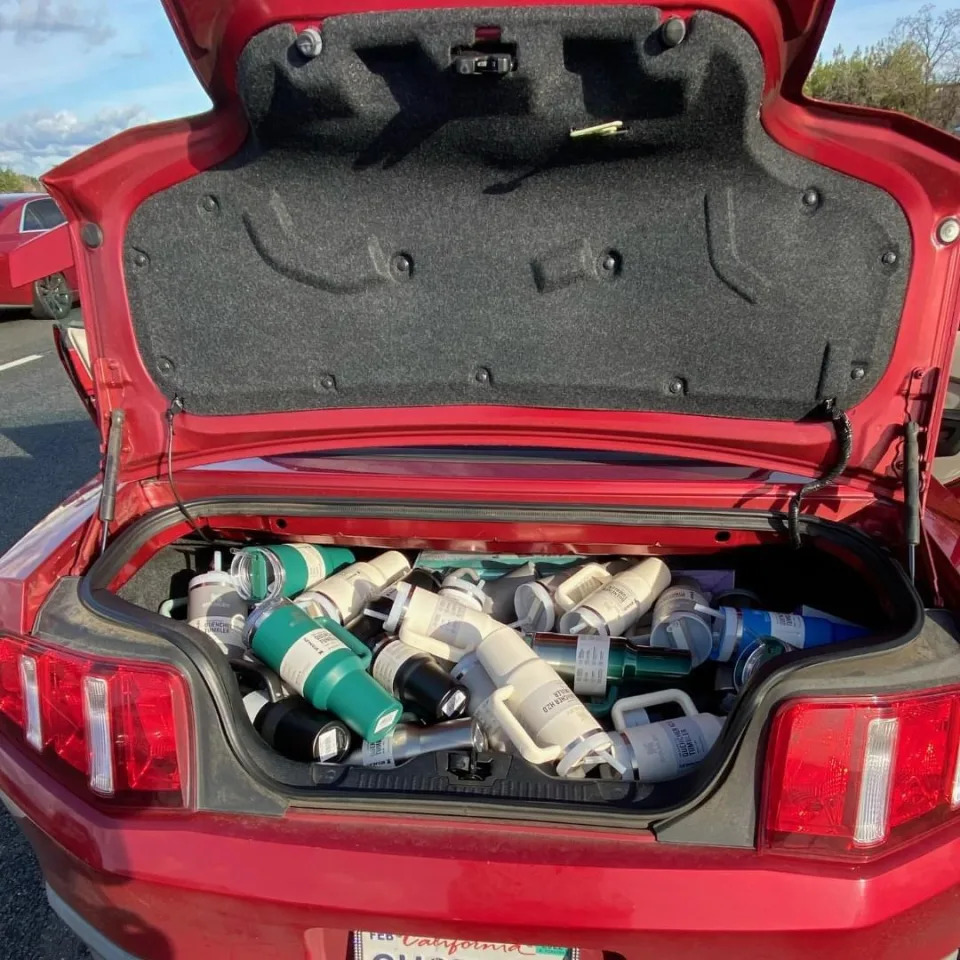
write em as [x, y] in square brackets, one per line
[357, 646]
[650, 700]
[512, 727]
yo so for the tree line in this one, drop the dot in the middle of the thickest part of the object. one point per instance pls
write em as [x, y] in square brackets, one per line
[915, 70]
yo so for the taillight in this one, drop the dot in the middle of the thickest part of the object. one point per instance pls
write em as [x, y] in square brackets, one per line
[121, 726]
[856, 777]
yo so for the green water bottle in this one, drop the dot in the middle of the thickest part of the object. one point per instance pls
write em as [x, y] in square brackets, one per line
[324, 663]
[593, 661]
[285, 569]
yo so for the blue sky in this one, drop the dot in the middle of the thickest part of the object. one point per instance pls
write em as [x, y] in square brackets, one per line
[75, 71]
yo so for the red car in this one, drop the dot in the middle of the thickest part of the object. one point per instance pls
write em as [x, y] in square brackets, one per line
[549, 281]
[23, 218]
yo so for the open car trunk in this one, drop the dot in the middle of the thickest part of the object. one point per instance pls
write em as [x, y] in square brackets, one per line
[838, 571]
[521, 227]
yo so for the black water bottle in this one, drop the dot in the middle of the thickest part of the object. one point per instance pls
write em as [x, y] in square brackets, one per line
[298, 731]
[415, 678]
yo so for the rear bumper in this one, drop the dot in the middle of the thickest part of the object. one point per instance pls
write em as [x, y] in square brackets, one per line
[194, 885]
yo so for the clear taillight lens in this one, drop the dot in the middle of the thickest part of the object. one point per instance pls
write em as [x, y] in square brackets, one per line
[856, 777]
[124, 726]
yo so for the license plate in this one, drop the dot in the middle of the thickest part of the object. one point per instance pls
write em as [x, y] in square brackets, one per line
[399, 946]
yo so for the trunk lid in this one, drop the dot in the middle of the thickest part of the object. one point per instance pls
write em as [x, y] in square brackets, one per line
[371, 247]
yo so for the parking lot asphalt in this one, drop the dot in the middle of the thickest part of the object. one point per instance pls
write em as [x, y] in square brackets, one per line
[48, 448]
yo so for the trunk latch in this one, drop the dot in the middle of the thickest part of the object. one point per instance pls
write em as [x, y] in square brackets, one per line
[486, 57]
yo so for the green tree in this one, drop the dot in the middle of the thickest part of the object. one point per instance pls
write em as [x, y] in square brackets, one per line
[915, 70]
[9, 181]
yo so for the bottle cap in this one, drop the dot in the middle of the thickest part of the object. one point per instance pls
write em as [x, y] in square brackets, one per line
[534, 608]
[467, 587]
[259, 614]
[597, 748]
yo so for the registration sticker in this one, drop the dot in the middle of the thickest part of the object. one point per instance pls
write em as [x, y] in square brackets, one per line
[399, 946]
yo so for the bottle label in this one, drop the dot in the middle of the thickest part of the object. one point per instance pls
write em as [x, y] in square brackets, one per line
[453, 623]
[689, 744]
[226, 631]
[316, 568]
[590, 675]
[377, 754]
[548, 702]
[349, 590]
[788, 627]
[389, 661]
[305, 653]
[576, 588]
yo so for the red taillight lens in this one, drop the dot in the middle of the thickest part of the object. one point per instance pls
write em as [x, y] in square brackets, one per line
[123, 725]
[854, 777]
[11, 693]
[61, 707]
[145, 730]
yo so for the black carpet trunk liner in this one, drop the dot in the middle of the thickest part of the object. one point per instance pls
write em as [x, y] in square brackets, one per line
[396, 233]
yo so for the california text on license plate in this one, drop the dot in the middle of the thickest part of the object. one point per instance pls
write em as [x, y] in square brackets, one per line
[399, 946]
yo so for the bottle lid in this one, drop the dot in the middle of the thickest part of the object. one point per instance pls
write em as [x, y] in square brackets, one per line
[689, 631]
[259, 614]
[596, 748]
[730, 633]
[467, 586]
[584, 620]
[534, 608]
[329, 608]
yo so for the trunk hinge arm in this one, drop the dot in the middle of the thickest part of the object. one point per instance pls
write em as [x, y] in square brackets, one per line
[176, 407]
[844, 433]
[911, 493]
[111, 470]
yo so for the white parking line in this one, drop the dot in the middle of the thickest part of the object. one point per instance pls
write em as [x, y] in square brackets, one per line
[22, 360]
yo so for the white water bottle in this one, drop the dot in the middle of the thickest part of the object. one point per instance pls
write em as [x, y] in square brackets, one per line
[215, 607]
[537, 604]
[656, 752]
[538, 711]
[435, 624]
[620, 602]
[343, 595]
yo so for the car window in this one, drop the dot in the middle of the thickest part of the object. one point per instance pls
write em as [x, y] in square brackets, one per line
[42, 215]
[31, 219]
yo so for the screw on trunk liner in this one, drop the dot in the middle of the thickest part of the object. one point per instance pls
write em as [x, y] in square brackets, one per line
[949, 230]
[309, 43]
[482, 375]
[165, 365]
[608, 264]
[92, 235]
[811, 198]
[401, 266]
[677, 386]
[209, 204]
[889, 258]
[328, 382]
[673, 32]
[858, 372]
[140, 259]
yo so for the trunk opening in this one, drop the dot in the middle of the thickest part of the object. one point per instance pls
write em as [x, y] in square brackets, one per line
[838, 571]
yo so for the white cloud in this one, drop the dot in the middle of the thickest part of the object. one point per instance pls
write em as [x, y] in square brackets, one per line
[40, 139]
[42, 20]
